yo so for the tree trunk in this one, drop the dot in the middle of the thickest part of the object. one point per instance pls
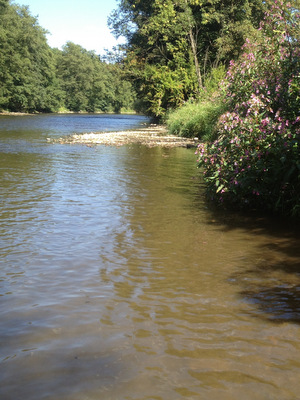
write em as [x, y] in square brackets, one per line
[196, 63]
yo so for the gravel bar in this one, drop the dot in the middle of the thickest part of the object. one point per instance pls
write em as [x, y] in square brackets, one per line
[153, 135]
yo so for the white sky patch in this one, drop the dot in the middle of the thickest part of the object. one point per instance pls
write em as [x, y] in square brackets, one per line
[83, 23]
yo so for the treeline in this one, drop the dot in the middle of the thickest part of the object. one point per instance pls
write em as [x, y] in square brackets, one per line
[37, 78]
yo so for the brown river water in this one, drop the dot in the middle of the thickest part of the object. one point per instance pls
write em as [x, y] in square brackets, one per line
[119, 282]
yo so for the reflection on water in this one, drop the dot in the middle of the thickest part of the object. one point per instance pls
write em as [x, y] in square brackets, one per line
[117, 282]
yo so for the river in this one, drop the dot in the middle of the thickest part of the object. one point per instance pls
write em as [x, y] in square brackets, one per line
[119, 282]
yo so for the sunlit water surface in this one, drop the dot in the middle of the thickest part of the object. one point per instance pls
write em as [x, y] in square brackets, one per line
[118, 282]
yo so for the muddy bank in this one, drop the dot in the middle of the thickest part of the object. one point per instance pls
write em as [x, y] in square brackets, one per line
[153, 135]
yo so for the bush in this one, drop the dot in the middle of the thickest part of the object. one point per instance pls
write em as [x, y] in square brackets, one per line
[195, 119]
[199, 118]
[256, 159]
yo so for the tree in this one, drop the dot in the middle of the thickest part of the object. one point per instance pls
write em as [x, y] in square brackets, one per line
[26, 62]
[3, 6]
[157, 59]
[34, 77]
[167, 37]
[75, 71]
[89, 83]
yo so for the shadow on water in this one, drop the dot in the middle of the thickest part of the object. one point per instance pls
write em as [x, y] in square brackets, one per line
[269, 278]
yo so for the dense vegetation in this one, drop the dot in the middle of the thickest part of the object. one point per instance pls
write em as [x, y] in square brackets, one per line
[172, 45]
[34, 77]
[227, 72]
[255, 160]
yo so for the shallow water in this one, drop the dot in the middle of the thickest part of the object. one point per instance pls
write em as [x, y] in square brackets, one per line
[119, 282]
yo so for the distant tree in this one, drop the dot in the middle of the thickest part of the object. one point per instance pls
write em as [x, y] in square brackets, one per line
[27, 72]
[124, 94]
[34, 77]
[75, 70]
[91, 84]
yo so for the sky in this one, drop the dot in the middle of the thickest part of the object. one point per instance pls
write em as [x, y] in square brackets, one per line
[82, 22]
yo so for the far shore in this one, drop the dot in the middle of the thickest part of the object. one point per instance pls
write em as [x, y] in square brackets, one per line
[14, 113]
[68, 112]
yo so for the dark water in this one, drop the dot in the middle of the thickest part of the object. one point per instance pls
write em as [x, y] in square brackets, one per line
[118, 282]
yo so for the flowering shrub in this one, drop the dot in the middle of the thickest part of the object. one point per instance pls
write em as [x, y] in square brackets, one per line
[256, 159]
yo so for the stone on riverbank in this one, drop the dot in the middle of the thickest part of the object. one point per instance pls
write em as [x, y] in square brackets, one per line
[154, 135]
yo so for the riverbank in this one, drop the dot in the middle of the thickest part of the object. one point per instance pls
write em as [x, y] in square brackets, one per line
[153, 135]
[10, 113]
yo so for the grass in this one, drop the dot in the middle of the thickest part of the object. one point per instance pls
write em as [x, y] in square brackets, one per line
[196, 119]
[199, 118]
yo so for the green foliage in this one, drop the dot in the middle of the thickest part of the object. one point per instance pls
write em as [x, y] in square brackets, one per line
[26, 62]
[90, 84]
[227, 24]
[256, 159]
[196, 119]
[199, 118]
[173, 45]
[3, 5]
[161, 88]
[34, 77]
[157, 61]
[124, 99]
[213, 83]
[76, 72]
